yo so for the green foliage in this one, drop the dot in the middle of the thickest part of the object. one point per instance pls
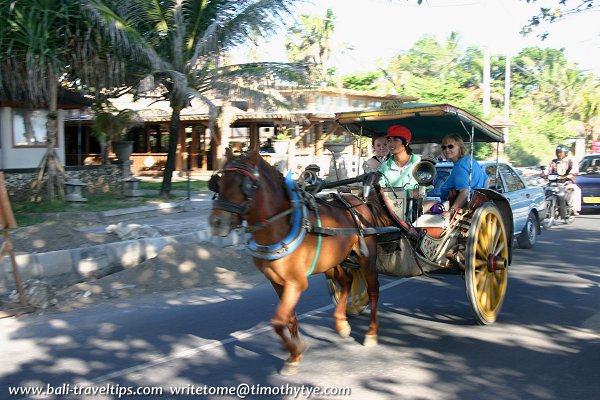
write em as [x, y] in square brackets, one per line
[179, 48]
[551, 101]
[282, 136]
[112, 125]
[309, 42]
[484, 151]
[195, 185]
[30, 213]
[366, 81]
[101, 202]
[336, 139]
[432, 90]
[521, 156]
[362, 142]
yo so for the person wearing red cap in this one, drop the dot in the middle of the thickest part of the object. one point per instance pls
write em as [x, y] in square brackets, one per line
[397, 169]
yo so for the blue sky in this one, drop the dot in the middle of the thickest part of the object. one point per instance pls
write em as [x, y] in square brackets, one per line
[378, 29]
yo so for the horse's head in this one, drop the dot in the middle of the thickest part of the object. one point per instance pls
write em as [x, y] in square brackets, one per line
[236, 185]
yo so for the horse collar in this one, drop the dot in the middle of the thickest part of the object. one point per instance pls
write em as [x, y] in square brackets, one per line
[296, 234]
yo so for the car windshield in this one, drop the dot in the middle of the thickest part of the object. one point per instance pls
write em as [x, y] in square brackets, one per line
[590, 165]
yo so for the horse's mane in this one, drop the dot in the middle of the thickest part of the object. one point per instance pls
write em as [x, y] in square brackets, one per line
[271, 173]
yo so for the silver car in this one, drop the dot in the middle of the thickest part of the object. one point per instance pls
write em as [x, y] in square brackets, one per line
[527, 202]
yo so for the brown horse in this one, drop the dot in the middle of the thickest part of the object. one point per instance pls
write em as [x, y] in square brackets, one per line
[291, 241]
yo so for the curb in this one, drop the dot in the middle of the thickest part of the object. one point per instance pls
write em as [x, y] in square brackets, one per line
[71, 266]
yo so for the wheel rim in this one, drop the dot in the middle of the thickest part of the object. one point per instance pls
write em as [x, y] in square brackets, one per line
[358, 299]
[531, 229]
[486, 264]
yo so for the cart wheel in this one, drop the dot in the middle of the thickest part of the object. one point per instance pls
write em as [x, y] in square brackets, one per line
[358, 299]
[486, 263]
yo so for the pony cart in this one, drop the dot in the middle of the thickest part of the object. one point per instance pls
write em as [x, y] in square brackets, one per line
[297, 230]
[476, 242]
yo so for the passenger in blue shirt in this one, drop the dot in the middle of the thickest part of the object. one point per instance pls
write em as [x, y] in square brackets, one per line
[454, 149]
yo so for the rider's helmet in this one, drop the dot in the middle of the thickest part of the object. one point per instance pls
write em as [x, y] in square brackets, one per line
[561, 148]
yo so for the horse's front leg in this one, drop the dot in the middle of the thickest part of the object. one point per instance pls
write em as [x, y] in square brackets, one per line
[285, 316]
[339, 275]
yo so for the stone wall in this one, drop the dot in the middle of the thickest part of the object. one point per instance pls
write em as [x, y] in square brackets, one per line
[98, 179]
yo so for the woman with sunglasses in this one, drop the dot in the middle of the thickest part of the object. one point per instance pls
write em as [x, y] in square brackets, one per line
[465, 176]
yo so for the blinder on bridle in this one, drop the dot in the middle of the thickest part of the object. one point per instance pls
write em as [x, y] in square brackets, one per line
[249, 186]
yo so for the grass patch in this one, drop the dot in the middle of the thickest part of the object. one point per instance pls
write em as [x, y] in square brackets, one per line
[100, 202]
[28, 213]
[180, 185]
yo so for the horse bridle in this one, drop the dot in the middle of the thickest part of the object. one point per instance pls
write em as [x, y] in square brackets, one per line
[250, 185]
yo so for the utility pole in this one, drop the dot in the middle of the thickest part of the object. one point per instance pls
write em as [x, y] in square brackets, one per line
[486, 82]
[506, 99]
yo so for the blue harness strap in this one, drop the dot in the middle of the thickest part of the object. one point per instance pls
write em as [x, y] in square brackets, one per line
[296, 234]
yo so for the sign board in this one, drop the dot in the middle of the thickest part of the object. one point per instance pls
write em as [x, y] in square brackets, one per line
[596, 146]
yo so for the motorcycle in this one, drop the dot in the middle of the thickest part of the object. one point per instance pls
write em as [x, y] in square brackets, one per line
[557, 204]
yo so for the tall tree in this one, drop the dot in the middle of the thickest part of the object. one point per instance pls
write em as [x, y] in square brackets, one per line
[309, 41]
[179, 46]
[42, 43]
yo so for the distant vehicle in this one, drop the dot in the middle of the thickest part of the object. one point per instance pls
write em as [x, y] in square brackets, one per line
[558, 208]
[588, 180]
[527, 202]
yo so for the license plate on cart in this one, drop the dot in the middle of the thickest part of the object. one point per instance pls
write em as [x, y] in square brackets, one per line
[594, 200]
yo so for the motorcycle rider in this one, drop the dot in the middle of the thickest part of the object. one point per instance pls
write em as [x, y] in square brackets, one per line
[565, 168]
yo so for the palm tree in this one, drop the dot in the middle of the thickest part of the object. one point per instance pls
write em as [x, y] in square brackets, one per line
[309, 41]
[179, 47]
[42, 44]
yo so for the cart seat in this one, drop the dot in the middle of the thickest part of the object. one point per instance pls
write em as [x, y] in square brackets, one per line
[431, 221]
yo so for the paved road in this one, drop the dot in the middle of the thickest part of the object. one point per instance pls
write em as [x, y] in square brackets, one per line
[546, 344]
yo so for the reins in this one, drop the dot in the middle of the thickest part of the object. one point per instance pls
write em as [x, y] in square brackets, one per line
[300, 201]
[261, 225]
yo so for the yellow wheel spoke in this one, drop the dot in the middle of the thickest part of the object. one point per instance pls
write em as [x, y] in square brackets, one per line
[496, 240]
[487, 237]
[481, 251]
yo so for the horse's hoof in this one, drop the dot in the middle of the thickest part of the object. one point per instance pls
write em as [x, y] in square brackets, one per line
[370, 341]
[343, 329]
[290, 368]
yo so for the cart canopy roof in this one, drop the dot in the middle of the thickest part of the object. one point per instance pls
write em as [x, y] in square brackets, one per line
[428, 123]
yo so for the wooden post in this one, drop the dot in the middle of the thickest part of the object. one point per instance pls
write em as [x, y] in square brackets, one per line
[7, 220]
